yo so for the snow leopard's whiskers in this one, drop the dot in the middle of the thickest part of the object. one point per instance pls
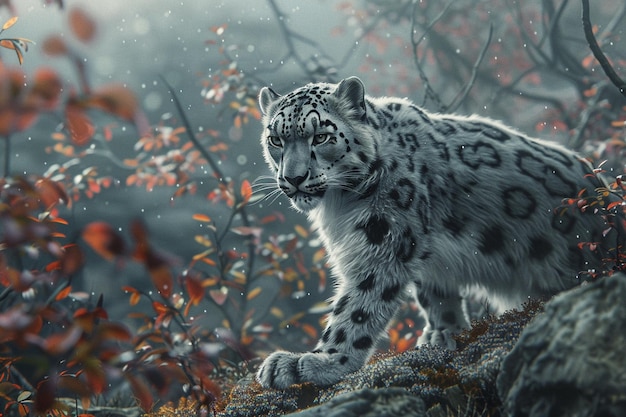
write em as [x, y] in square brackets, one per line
[262, 185]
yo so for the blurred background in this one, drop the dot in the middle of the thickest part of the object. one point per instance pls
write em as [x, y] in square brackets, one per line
[117, 142]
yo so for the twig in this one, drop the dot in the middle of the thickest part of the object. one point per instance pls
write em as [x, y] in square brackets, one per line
[430, 93]
[576, 137]
[192, 137]
[222, 179]
[365, 31]
[462, 95]
[597, 52]
[289, 36]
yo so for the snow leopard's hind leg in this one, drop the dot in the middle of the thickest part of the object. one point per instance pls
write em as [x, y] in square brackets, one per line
[445, 315]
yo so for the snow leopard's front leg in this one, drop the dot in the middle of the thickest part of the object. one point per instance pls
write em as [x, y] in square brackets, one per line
[360, 315]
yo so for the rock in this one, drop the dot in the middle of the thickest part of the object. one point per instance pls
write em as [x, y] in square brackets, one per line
[386, 402]
[447, 382]
[571, 360]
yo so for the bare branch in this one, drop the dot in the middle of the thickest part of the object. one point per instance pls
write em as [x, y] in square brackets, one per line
[462, 95]
[597, 52]
[289, 36]
[415, 41]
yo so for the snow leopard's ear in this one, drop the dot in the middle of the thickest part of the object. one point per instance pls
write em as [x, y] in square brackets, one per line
[266, 97]
[351, 95]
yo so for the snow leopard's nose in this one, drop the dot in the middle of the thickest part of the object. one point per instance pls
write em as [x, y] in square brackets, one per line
[296, 181]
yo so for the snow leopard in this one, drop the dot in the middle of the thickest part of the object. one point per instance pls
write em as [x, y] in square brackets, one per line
[407, 201]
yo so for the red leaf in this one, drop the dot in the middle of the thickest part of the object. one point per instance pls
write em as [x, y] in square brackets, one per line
[79, 125]
[219, 296]
[103, 239]
[162, 280]
[115, 331]
[72, 259]
[83, 26]
[157, 263]
[54, 46]
[159, 308]
[195, 289]
[51, 192]
[96, 378]
[121, 102]
[44, 398]
[46, 89]
[140, 236]
[61, 343]
[141, 391]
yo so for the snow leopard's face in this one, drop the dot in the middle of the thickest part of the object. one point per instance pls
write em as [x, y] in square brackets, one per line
[310, 142]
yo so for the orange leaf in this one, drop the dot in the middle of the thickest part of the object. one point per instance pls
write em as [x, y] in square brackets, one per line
[201, 218]
[301, 231]
[134, 298]
[5, 43]
[321, 283]
[133, 163]
[83, 26]
[319, 255]
[311, 331]
[9, 23]
[246, 192]
[252, 294]
[209, 261]
[63, 293]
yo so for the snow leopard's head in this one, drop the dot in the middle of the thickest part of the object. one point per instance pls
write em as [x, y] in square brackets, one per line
[315, 139]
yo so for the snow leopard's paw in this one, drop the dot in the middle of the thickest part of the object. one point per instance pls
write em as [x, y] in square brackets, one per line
[441, 337]
[283, 369]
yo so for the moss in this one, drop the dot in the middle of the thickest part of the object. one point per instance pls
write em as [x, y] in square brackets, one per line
[186, 407]
[446, 381]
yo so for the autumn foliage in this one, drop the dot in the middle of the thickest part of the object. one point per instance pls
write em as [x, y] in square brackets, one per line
[195, 316]
[58, 342]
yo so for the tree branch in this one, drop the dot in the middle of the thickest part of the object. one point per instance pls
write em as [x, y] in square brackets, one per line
[597, 52]
[462, 95]
[415, 41]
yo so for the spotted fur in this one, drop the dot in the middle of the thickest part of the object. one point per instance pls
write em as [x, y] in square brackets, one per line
[402, 199]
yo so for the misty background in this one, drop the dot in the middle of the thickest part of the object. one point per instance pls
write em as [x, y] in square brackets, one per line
[140, 41]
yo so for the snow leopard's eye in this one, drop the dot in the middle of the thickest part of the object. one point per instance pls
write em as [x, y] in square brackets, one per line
[320, 138]
[275, 141]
